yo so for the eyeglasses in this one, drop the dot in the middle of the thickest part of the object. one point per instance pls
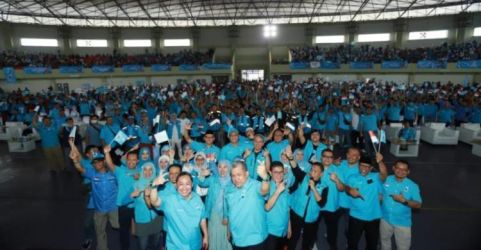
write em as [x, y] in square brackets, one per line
[277, 172]
[328, 156]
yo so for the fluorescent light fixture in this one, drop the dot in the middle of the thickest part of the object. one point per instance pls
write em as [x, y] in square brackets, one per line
[330, 39]
[425, 35]
[91, 43]
[176, 42]
[137, 43]
[270, 31]
[477, 31]
[39, 42]
[379, 37]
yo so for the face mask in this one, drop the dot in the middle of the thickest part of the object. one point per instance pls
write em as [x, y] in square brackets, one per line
[94, 121]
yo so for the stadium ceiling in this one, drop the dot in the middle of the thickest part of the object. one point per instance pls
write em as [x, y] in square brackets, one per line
[177, 13]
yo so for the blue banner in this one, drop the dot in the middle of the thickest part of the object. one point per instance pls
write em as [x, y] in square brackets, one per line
[9, 74]
[361, 65]
[330, 65]
[160, 67]
[299, 65]
[102, 68]
[469, 64]
[70, 69]
[132, 68]
[431, 64]
[216, 66]
[394, 64]
[37, 70]
[188, 67]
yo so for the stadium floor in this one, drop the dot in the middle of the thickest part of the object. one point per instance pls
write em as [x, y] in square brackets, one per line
[39, 211]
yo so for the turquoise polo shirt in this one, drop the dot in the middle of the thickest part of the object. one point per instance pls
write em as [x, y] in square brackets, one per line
[276, 148]
[230, 152]
[396, 213]
[332, 203]
[125, 177]
[184, 217]
[252, 161]
[213, 150]
[278, 216]
[313, 153]
[244, 209]
[346, 172]
[48, 134]
[369, 186]
[368, 122]
[394, 113]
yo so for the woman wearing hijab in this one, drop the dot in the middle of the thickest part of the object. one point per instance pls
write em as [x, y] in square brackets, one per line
[144, 156]
[214, 204]
[301, 162]
[163, 164]
[148, 224]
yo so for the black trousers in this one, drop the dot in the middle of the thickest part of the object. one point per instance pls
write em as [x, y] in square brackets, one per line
[331, 219]
[275, 243]
[260, 246]
[308, 231]
[357, 227]
[126, 215]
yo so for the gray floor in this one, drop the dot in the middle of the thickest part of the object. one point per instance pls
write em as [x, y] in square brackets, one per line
[39, 211]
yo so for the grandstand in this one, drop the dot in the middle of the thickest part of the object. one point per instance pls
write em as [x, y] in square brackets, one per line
[399, 78]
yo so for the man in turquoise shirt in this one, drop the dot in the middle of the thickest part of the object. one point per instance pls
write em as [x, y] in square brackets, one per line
[126, 176]
[400, 196]
[244, 207]
[50, 143]
[365, 214]
[278, 144]
[277, 207]
[234, 149]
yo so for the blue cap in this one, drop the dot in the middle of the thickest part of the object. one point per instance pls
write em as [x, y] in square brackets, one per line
[98, 156]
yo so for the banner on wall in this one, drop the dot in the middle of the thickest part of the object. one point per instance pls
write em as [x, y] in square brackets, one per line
[102, 69]
[469, 64]
[188, 67]
[9, 73]
[299, 65]
[132, 68]
[37, 70]
[361, 65]
[216, 66]
[393, 64]
[431, 64]
[160, 67]
[70, 69]
[330, 65]
[315, 65]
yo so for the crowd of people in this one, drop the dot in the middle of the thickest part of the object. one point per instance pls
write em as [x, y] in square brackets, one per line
[362, 53]
[246, 165]
[18, 59]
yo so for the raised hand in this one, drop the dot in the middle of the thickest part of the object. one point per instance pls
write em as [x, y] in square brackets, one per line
[107, 149]
[262, 171]
[160, 180]
[334, 177]
[281, 186]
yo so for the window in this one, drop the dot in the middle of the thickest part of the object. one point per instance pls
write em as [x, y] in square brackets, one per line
[137, 43]
[176, 42]
[270, 31]
[477, 31]
[91, 43]
[380, 37]
[39, 42]
[330, 39]
[424, 35]
[252, 74]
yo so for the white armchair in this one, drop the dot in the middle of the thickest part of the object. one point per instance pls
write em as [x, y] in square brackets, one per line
[438, 134]
[392, 131]
[16, 141]
[412, 148]
[468, 132]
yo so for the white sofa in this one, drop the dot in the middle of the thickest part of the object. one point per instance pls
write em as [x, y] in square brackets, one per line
[469, 132]
[412, 150]
[392, 131]
[438, 134]
[17, 142]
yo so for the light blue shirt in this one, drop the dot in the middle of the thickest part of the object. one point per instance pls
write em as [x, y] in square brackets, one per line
[278, 216]
[125, 177]
[396, 213]
[230, 152]
[346, 171]
[244, 209]
[184, 217]
[332, 203]
[369, 207]
[276, 148]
